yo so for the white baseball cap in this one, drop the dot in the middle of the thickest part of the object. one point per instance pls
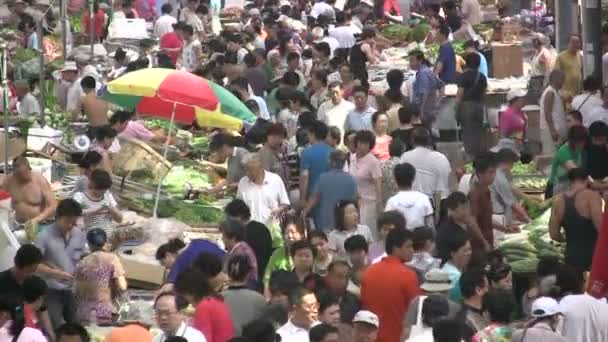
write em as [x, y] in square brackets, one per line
[545, 307]
[368, 317]
[515, 93]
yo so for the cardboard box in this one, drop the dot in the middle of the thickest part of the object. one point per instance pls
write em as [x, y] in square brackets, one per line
[142, 274]
[507, 60]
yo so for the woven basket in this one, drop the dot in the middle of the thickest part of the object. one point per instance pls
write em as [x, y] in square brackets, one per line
[136, 155]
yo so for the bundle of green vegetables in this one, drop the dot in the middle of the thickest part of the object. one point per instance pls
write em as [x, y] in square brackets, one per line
[175, 181]
[396, 33]
[524, 249]
[531, 183]
[519, 169]
[479, 28]
[160, 123]
[24, 55]
[76, 23]
[60, 121]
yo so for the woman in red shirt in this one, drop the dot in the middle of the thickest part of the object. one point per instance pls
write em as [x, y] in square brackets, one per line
[211, 316]
[100, 20]
[171, 43]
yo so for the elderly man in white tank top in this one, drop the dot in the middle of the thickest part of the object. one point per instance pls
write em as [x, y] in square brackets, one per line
[553, 129]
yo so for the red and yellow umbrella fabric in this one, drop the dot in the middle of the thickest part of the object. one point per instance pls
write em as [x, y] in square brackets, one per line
[185, 97]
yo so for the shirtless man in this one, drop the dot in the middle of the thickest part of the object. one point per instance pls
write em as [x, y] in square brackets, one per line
[94, 108]
[31, 195]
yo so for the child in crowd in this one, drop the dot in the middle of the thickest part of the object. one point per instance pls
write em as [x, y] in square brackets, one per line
[99, 208]
[89, 162]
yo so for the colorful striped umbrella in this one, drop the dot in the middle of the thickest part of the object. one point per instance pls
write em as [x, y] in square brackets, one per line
[178, 95]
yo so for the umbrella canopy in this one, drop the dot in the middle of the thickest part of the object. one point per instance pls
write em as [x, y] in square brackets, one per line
[157, 92]
[232, 105]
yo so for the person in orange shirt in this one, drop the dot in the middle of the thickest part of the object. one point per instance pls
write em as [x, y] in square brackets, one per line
[388, 287]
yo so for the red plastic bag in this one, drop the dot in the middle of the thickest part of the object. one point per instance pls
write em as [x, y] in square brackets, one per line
[598, 280]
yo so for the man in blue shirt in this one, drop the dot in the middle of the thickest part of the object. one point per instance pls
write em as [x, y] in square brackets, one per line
[445, 68]
[188, 255]
[426, 84]
[314, 160]
[333, 186]
[471, 46]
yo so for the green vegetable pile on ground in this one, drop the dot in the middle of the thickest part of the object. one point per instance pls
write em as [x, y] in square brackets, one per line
[396, 32]
[175, 181]
[419, 32]
[524, 249]
[191, 213]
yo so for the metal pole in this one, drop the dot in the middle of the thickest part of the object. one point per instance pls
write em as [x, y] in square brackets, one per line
[41, 72]
[64, 27]
[92, 26]
[592, 34]
[5, 106]
[565, 19]
[165, 150]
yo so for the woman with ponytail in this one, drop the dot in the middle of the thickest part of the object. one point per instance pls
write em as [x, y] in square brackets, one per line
[12, 323]
[244, 304]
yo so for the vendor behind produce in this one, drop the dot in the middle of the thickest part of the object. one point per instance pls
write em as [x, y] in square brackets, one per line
[94, 108]
[504, 202]
[122, 122]
[31, 196]
[226, 147]
[104, 138]
[597, 154]
[27, 104]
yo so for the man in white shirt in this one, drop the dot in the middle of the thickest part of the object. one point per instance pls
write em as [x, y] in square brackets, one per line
[471, 11]
[170, 320]
[585, 317]
[589, 99]
[343, 32]
[68, 90]
[305, 308]
[414, 205]
[27, 104]
[432, 168]
[192, 51]
[333, 112]
[318, 35]
[263, 191]
[599, 113]
[164, 24]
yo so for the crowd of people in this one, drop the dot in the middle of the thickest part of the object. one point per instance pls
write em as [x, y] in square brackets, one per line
[345, 224]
